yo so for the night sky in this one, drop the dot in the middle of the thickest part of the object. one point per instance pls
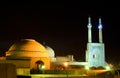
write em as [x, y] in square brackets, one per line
[60, 25]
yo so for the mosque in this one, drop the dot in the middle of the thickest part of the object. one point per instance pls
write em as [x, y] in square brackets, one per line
[29, 54]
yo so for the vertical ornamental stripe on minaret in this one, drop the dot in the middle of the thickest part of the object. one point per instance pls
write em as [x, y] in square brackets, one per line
[89, 30]
[100, 30]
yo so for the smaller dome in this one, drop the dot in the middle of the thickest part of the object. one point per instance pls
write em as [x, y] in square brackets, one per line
[50, 52]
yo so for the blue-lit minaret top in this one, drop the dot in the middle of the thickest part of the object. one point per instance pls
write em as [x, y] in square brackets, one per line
[100, 24]
[89, 30]
[100, 31]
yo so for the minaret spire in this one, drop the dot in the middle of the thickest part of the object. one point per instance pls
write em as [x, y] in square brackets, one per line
[89, 30]
[100, 31]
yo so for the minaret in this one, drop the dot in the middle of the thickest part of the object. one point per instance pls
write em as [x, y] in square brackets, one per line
[95, 53]
[100, 31]
[89, 30]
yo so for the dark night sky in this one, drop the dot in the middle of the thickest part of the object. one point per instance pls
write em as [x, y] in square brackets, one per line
[61, 25]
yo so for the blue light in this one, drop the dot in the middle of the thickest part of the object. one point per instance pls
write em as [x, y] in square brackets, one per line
[100, 24]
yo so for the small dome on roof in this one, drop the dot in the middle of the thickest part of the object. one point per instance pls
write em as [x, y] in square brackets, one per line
[50, 52]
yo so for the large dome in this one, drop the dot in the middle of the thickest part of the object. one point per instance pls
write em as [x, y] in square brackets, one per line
[27, 48]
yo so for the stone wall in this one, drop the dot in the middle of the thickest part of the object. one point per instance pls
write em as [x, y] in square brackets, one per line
[7, 70]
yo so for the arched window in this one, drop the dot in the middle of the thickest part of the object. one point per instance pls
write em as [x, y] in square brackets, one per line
[94, 56]
[40, 64]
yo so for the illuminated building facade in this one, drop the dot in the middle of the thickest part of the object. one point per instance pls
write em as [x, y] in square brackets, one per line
[95, 53]
[28, 54]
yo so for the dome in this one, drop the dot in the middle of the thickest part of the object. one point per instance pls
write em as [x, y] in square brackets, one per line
[50, 52]
[27, 48]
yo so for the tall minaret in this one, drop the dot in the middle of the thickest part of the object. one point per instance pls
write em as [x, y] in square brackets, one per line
[100, 31]
[95, 52]
[89, 30]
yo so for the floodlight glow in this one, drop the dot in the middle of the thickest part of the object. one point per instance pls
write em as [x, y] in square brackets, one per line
[65, 64]
[87, 67]
[43, 67]
[107, 67]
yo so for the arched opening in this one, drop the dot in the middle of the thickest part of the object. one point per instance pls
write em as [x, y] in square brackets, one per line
[39, 68]
[94, 56]
[40, 65]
